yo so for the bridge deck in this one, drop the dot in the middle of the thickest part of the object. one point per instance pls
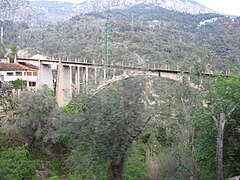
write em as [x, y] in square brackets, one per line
[109, 66]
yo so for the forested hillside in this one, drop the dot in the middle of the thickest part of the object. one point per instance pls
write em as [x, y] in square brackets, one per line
[138, 128]
[138, 34]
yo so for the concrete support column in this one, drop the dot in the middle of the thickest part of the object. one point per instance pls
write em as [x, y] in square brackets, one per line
[45, 76]
[70, 77]
[86, 79]
[81, 79]
[78, 80]
[64, 85]
[114, 73]
[104, 73]
[95, 76]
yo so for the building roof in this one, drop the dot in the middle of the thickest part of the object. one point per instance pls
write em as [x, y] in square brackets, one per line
[31, 66]
[16, 67]
[40, 56]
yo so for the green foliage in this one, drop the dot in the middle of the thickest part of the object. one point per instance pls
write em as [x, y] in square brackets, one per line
[13, 52]
[3, 140]
[225, 93]
[83, 164]
[14, 164]
[172, 161]
[135, 167]
[114, 116]
[112, 119]
[55, 178]
[51, 165]
[37, 118]
[78, 104]
[205, 141]
[160, 35]
[36, 155]
[18, 84]
[223, 97]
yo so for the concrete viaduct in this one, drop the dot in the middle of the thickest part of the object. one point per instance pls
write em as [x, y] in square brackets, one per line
[74, 77]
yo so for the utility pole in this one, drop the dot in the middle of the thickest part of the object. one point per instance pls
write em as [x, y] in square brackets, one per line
[107, 43]
[2, 50]
[2, 35]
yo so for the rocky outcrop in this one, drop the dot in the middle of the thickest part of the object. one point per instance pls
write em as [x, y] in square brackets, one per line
[54, 11]
[17, 11]
[187, 6]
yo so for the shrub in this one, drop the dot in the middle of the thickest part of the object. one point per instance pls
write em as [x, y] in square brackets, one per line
[37, 119]
[83, 164]
[14, 164]
[135, 167]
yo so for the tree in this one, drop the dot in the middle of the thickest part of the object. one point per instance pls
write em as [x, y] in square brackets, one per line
[223, 102]
[37, 118]
[13, 52]
[18, 84]
[15, 164]
[113, 119]
[224, 99]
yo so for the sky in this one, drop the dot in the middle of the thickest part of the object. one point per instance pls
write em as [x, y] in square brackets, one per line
[229, 7]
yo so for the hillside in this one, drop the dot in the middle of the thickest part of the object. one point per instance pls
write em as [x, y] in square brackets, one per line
[139, 34]
[43, 12]
[53, 11]
[49, 12]
[17, 10]
[186, 6]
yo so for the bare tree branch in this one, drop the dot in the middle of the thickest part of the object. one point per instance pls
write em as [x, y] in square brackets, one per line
[215, 120]
[232, 109]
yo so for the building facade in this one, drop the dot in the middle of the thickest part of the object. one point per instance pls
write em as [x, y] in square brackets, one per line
[13, 71]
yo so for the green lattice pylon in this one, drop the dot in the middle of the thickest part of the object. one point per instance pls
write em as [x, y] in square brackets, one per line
[107, 52]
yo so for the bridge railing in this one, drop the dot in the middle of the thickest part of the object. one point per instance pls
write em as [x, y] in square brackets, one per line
[126, 64]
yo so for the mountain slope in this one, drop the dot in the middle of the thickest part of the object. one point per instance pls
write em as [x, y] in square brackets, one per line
[53, 11]
[17, 10]
[186, 6]
[138, 35]
[49, 12]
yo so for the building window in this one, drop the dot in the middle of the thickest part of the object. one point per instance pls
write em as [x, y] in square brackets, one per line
[18, 73]
[34, 73]
[29, 73]
[32, 84]
[9, 73]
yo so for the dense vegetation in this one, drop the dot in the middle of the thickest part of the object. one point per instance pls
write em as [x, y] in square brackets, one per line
[137, 128]
[138, 35]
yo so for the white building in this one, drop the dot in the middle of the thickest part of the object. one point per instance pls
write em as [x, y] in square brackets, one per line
[13, 71]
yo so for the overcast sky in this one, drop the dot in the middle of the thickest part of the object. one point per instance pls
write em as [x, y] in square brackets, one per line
[230, 7]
